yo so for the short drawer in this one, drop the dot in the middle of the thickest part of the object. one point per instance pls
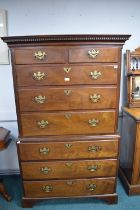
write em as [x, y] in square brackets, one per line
[68, 169]
[40, 55]
[89, 54]
[34, 75]
[68, 149]
[56, 123]
[67, 98]
[73, 187]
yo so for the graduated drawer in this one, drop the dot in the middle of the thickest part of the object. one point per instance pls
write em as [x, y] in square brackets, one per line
[67, 98]
[28, 75]
[93, 54]
[40, 55]
[68, 150]
[56, 123]
[73, 187]
[68, 169]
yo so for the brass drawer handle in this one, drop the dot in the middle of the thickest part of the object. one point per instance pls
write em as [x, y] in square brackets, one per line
[40, 99]
[39, 75]
[40, 55]
[93, 53]
[45, 170]
[93, 168]
[95, 98]
[67, 69]
[47, 188]
[43, 123]
[68, 146]
[67, 92]
[44, 150]
[93, 122]
[95, 74]
[91, 187]
[94, 148]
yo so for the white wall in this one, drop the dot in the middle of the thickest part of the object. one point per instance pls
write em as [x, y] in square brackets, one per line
[27, 17]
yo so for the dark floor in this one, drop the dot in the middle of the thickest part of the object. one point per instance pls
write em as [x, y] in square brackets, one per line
[14, 187]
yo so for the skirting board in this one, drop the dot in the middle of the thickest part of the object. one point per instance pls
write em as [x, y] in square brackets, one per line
[9, 172]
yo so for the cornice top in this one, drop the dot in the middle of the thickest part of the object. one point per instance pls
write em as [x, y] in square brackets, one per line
[11, 40]
[136, 51]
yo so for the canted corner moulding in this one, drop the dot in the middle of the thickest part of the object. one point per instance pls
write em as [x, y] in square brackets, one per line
[4, 58]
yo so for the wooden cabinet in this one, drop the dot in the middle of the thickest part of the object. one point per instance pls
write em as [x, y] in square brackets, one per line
[133, 77]
[130, 151]
[67, 97]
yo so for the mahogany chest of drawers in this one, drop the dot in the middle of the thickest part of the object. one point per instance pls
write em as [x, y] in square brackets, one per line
[67, 97]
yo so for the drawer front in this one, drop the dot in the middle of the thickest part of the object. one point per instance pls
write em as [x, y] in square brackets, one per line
[40, 55]
[73, 187]
[68, 169]
[56, 123]
[67, 98]
[66, 75]
[68, 150]
[93, 54]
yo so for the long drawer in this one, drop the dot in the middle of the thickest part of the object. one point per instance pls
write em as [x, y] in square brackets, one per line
[68, 149]
[68, 169]
[73, 187]
[34, 75]
[56, 123]
[66, 98]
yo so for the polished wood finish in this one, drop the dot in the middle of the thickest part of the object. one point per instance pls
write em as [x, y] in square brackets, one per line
[79, 98]
[80, 54]
[53, 55]
[25, 74]
[13, 41]
[67, 99]
[61, 123]
[109, 198]
[59, 55]
[5, 140]
[76, 150]
[72, 187]
[130, 154]
[68, 169]
[134, 113]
